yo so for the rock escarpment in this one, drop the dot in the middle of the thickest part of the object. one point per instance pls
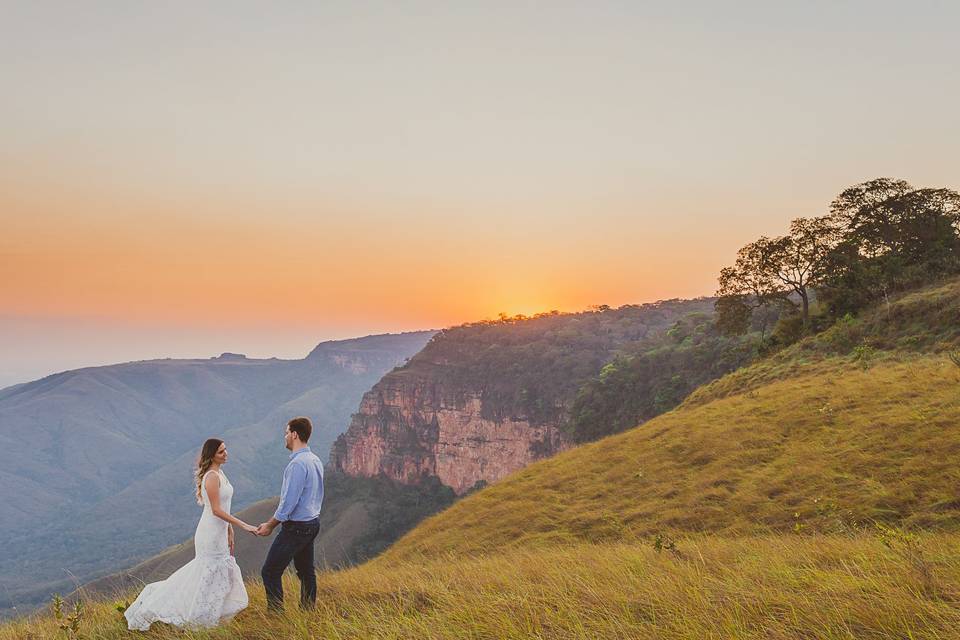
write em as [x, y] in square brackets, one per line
[409, 427]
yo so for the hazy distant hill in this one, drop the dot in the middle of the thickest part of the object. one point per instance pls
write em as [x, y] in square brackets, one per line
[96, 463]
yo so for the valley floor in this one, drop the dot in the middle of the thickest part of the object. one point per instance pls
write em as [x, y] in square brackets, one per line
[868, 585]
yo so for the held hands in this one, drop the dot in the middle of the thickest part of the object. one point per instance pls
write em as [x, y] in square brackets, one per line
[263, 530]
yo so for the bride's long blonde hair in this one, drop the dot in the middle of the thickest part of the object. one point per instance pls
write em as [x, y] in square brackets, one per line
[207, 452]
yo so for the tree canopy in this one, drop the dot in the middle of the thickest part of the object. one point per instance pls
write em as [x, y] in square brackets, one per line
[879, 236]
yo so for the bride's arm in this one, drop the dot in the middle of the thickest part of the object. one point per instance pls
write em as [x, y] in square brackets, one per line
[212, 483]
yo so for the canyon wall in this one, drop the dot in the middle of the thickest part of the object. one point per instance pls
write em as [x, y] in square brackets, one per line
[411, 426]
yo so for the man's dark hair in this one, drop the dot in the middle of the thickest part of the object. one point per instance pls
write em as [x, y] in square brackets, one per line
[302, 427]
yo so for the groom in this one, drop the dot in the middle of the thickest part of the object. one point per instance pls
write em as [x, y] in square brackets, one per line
[300, 497]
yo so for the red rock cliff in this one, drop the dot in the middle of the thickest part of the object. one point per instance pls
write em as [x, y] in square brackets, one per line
[409, 426]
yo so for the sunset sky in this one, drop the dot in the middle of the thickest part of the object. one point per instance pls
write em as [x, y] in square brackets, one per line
[181, 179]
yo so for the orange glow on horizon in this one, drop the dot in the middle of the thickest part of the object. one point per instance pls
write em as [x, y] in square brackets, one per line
[75, 252]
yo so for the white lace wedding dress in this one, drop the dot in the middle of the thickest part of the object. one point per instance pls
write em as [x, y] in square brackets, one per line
[202, 592]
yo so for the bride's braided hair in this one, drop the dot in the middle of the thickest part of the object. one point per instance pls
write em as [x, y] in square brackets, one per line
[207, 452]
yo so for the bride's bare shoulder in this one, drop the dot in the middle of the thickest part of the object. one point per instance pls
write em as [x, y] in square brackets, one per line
[211, 479]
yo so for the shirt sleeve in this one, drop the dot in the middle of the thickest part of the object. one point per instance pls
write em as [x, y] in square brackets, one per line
[294, 478]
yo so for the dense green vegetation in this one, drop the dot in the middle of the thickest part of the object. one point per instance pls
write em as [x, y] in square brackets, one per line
[879, 238]
[656, 375]
[532, 367]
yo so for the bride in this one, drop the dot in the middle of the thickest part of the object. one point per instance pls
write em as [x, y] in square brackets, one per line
[209, 588]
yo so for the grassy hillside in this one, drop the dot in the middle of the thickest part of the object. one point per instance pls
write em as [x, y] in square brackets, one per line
[859, 423]
[809, 495]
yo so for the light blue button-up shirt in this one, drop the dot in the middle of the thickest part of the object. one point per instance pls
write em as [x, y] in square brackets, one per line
[302, 492]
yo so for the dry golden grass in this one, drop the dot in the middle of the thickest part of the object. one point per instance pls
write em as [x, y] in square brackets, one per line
[765, 587]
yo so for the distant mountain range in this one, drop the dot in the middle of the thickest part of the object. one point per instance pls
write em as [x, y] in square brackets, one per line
[96, 464]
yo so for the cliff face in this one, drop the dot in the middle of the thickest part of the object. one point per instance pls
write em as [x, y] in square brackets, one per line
[409, 427]
[485, 399]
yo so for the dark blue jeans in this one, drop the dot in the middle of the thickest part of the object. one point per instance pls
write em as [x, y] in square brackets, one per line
[294, 542]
